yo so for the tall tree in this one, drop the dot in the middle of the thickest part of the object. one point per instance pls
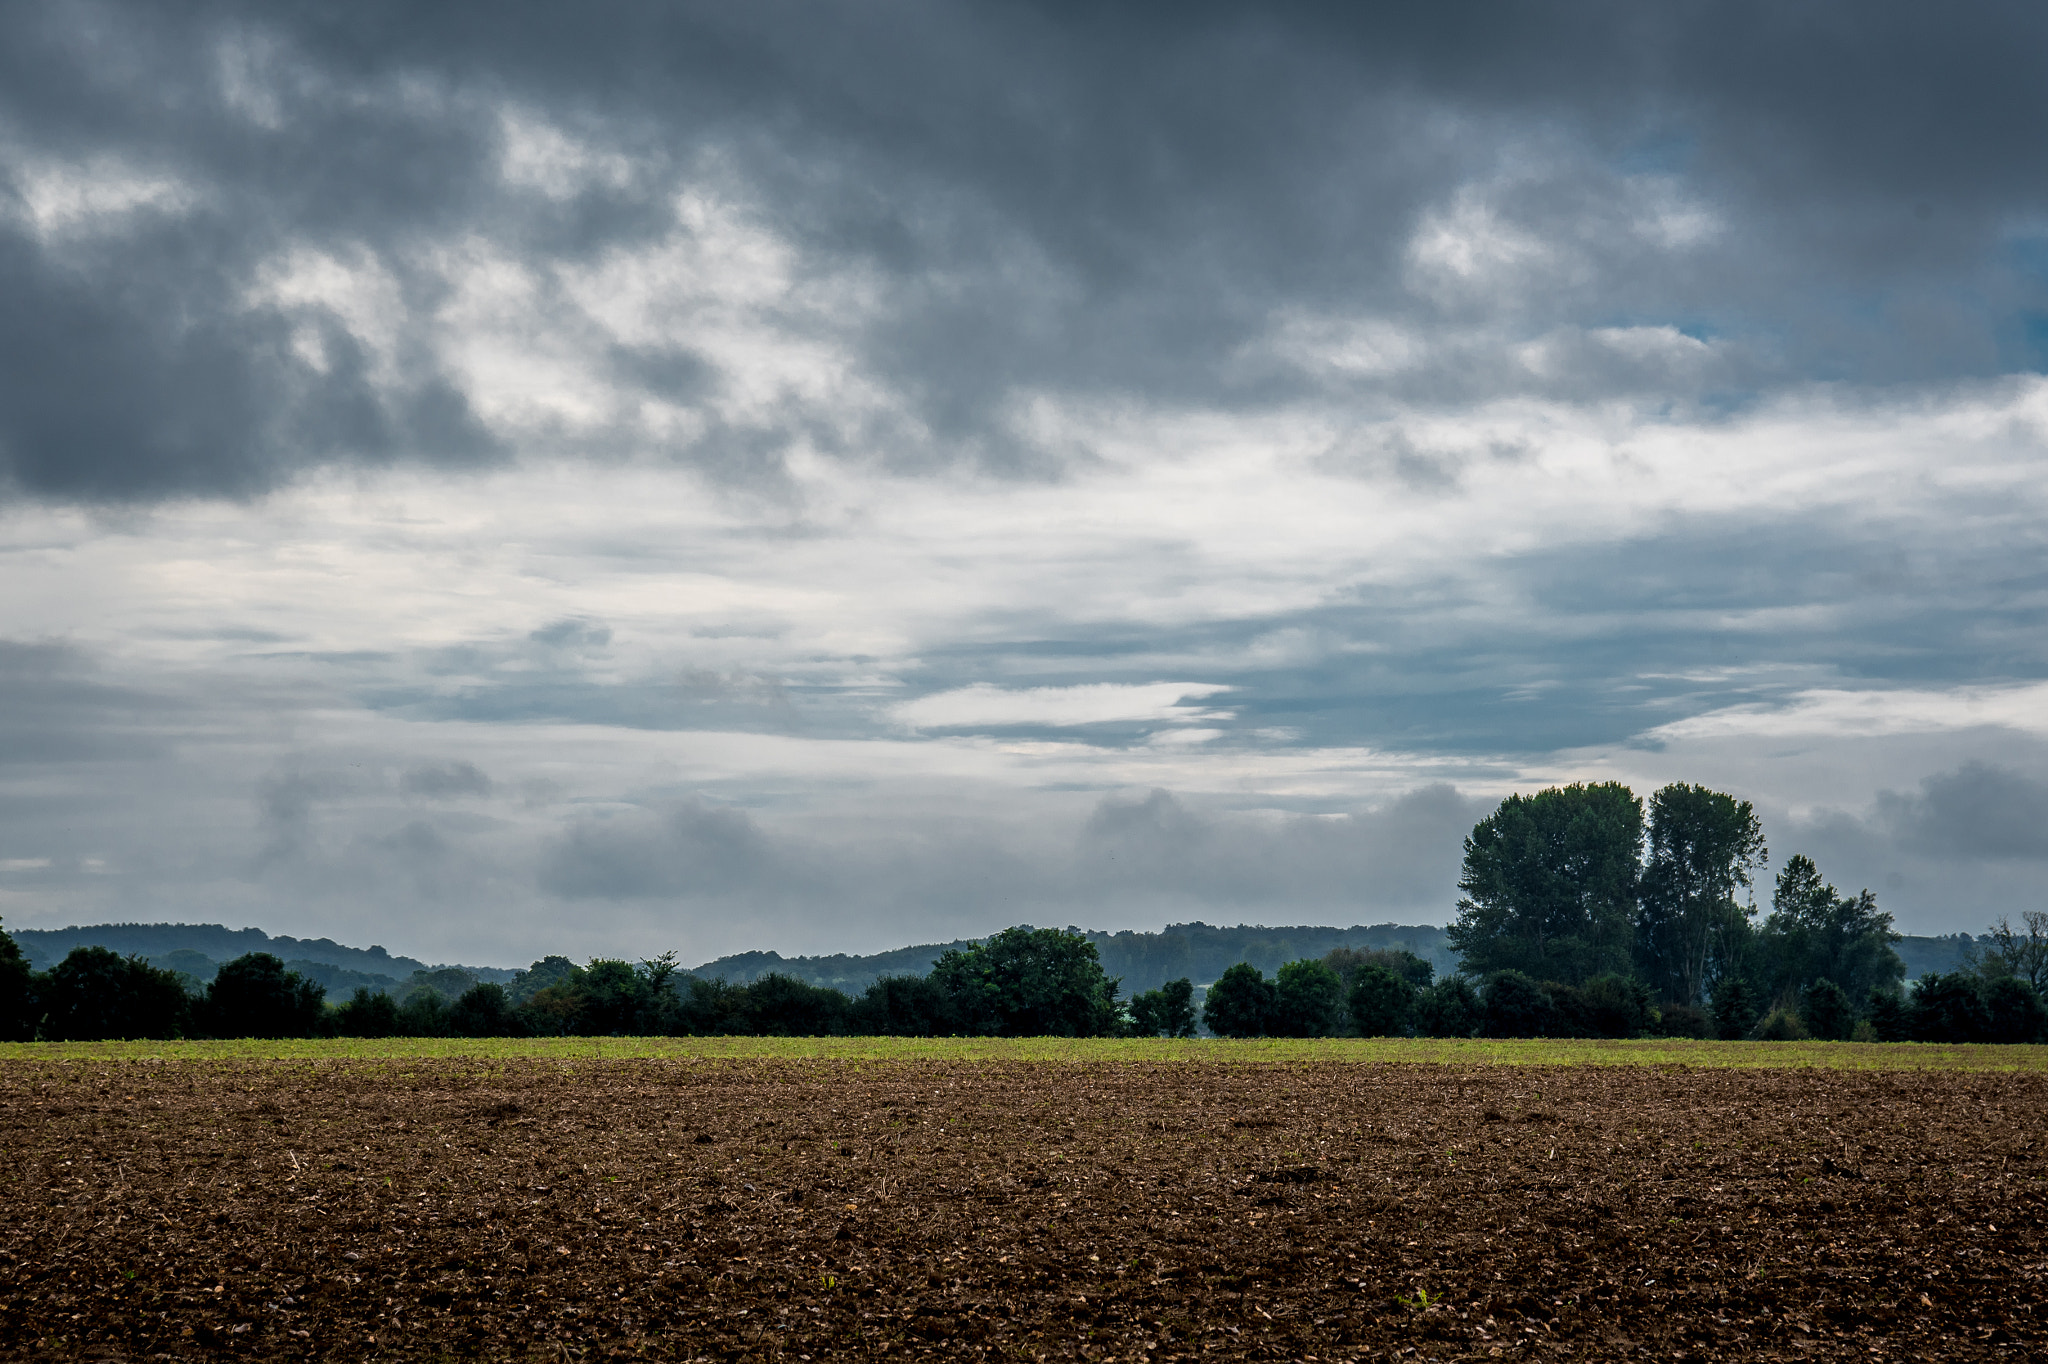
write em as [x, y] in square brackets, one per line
[1381, 1001]
[1550, 883]
[1704, 847]
[2010, 952]
[1308, 1000]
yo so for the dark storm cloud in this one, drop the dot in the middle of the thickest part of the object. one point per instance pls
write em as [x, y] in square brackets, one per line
[1979, 811]
[1111, 201]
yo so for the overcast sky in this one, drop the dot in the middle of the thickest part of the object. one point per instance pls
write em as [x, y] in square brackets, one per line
[497, 479]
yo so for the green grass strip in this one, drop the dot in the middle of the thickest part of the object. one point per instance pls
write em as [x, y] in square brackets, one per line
[1092, 1051]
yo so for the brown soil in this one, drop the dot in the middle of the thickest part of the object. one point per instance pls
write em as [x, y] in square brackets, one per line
[804, 1210]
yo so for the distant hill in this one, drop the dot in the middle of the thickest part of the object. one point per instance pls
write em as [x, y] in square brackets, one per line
[1145, 961]
[199, 949]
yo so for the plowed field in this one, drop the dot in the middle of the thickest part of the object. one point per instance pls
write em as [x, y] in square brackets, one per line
[791, 1209]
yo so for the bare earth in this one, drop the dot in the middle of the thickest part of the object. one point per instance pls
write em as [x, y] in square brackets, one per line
[804, 1209]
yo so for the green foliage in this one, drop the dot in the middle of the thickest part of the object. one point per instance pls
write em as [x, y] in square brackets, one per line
[1610, 1005]
[1029, 982]
[782, 1006]
[1889, 1016]
[1781, 1025]
[484, 1010]
[1683, 1020]
[1241, 1003]
[1825, 1010]
[2014, 1011]
[254, 996]
[368, 1013]
[1704, 847]
[1813, 933]
[17, 1023]
[1382, 1001]
[424, 1014]
[1168, 1011]
[1448, 1008]
[1549, 884]
[1308, 1001]
[1735, 1007]
[1347, 962]
[901, 1006]
[1513, 1005]
[94, 994]
[2009, 952]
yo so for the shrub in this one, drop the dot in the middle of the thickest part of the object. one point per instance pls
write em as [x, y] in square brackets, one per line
[483, 1010]
[1949, 1008]
[1381, 1001]
[366, 1015]
[901, 1006]
[2013, 1011]
[1170, 1009]
[1889, 1016]
[1512, 1005]
[1734, 1007]
[1685, 1020]
[1781, 1025]
[1826, 1011]
[1616, 1006]
[1448, 1008]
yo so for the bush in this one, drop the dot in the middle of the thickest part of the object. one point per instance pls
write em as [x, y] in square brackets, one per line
[1382, 1001]
[1949, 1008]
[1512, 1005]
[1616, 1006]
[483, 1010]
[1241, 1003]
[1308, 1000]
[1448, 1008]
[366, 1015]
[1781, 1025]
[1170, 1009]
[1734, 1007]
[1826, 1011]
[783, 1006]
[1685, 1020]
[1889, 1016]
[901, 1006]
[423, 1014]
[2013, 1011]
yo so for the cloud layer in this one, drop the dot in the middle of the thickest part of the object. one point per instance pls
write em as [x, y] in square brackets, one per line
[816, 476]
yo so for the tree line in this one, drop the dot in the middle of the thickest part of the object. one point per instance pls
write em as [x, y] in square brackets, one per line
[1584, 912]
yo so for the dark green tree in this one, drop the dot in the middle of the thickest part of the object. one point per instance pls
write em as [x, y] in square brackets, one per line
[901, 1006]
[1347, 962]
[94, 995]
[2013, 1011]
[254, 996]
[1168, 1010]
[1614, 1005]
[1381, 1001]
[1512, 1005]
[1308, 1000]
[1813, 934]
[424, 1014]
[1949, 1008]
[1704, 847]
[1825, 1009]
[1891, 1018]
[1030, 982]
[1241, 1003]
[17, 996]
[367, 1013]
[1549, 884]
[783, 1006]
[1448, 1008]
[483, 1010]
[1734, 1008]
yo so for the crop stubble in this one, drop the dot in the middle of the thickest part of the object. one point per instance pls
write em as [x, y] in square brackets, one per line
[784, 1209]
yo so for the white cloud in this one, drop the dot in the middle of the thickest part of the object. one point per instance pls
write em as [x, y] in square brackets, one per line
[985, 706]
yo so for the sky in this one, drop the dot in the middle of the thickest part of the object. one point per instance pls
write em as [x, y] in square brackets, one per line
[500, 479]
